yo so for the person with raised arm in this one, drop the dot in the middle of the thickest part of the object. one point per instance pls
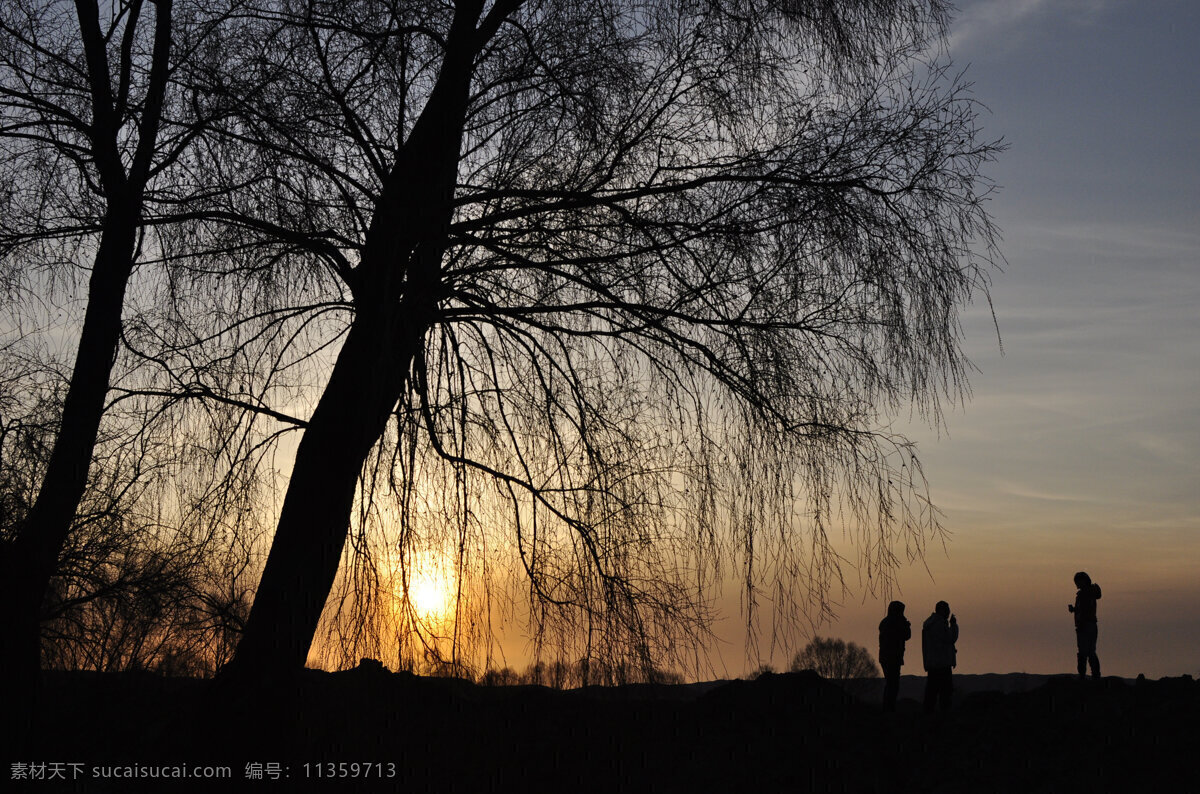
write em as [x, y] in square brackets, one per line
[1086, 631]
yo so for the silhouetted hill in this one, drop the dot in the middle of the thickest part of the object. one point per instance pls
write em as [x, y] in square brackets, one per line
[789, 732]
[913, 686]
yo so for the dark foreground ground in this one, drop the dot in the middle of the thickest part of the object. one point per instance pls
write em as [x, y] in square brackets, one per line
[791, 732]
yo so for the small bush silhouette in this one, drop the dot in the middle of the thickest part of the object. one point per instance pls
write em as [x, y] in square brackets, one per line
[503, 677]
[835, 660]
[760, 671]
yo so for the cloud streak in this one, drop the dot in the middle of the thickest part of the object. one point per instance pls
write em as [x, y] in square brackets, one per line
[1014, 19]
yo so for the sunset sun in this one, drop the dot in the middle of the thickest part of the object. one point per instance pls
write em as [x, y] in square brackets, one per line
[427, 596]
[430, 590]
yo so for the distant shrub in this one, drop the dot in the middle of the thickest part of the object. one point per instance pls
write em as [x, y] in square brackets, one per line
[446, 669]
[569, 675]
[503, 677]
[760, 671]
[835, 660]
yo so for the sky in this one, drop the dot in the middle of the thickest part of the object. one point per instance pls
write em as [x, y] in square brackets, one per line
[1080, 447]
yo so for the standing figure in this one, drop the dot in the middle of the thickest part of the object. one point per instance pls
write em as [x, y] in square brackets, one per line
[894, 631]
[938, 635]
[1085, 623]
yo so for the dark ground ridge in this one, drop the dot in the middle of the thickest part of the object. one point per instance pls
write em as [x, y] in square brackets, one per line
[786, 732]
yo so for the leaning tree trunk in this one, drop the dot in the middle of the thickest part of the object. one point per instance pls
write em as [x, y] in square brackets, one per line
[396, 293]
[351, 415]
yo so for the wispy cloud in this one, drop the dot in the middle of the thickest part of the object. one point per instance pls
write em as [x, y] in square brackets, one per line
[1012, 20]
[1019, 490]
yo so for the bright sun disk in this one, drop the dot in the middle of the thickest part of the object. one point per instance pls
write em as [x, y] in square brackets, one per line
[427, 596]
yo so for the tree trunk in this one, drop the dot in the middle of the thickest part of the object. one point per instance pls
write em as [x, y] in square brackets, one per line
[396, 294]
[32, 557]
[364, 386]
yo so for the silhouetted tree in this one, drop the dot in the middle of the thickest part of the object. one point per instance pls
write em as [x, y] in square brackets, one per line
[559, 675]
[448, 670]
[836, 660]
[536, 674]
[157, 571]
[505, 676]
[89, 134]
[633, 282]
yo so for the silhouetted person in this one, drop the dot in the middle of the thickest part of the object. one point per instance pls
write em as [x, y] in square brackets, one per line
[1085, 623]
[894, 631]
[938, 635]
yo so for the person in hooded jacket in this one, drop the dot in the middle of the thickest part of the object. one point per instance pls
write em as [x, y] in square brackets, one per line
[938, 635]
[894, 631]
[1086, 631]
